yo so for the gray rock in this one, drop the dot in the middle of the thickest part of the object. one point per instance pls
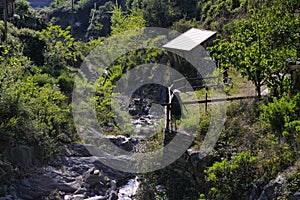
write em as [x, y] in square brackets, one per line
[263, 196]
[280, 180]
[93, 178]
[97, 198]
[269, 189]
[67, 197]
[22, 156]
[161, 189]
[96, 172]
[254, 192]
[297, 195]
[34, 187]
[69, 187]
[113, 196]
[75, 197]
[123, 142]
[129, 190]
[81, 190]
[77, 175]
[77, 150]
[6, 170]
[78, 197]
[9, 197]
[133, 111]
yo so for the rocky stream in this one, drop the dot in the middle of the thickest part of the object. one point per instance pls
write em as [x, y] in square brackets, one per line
[76, 174]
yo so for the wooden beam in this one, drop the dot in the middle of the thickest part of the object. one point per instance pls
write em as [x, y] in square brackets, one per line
[215, 100]
[220, 100]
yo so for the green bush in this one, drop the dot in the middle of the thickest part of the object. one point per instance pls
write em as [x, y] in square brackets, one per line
[60, 52]
[282, 118]
[231, 179]
[33, 47]
[33, 110]
[66, 82]
[43, 79]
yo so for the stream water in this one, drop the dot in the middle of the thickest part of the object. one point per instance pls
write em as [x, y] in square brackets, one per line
[128, 191]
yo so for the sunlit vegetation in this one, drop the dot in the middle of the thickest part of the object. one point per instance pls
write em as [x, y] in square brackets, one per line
[260, 139]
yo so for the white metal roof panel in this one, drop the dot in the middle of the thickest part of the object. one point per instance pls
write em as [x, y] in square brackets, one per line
[190, 39]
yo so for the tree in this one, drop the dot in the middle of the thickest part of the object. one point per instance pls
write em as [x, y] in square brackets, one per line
[121, 22]
[259, 46]
[99, 24]
[184, 25]
[32, 113]
[160, 13]
[215, 14]
[27, 17]
[33, 46]
[60, 50]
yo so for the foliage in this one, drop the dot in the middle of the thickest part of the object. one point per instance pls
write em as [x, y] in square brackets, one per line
[60, 51]
[231, 179]
[121, 23]
[103, 104]
[247, 131]
[184, 25]
[84, 3]
[99, 24]
[58, 3]
[31, 113]
[33, 47]
[273, 157]
[26, 17]
[216, 14]
[259, 46]
[160, 13]
[282, 118]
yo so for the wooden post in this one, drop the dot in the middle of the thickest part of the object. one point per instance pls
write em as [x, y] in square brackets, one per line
[206, 102]
[5, 16]
[167, 122]
[168, 118]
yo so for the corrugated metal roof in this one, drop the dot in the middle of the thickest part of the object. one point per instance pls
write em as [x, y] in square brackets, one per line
[190, 39]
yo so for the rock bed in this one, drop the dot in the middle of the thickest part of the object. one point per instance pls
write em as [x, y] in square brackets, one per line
[73, 177]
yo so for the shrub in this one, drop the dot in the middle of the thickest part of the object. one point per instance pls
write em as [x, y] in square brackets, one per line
[231, 179]
[33, 47]
[33, 110]
[281, 117]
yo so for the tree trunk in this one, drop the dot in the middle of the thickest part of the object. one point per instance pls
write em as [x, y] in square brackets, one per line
[258, 90]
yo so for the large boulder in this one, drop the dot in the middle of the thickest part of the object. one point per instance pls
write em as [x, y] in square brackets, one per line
[22, 156]
[123, 142]
[283, 186]
[6, 171]
[93, 177]
[296, 196]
